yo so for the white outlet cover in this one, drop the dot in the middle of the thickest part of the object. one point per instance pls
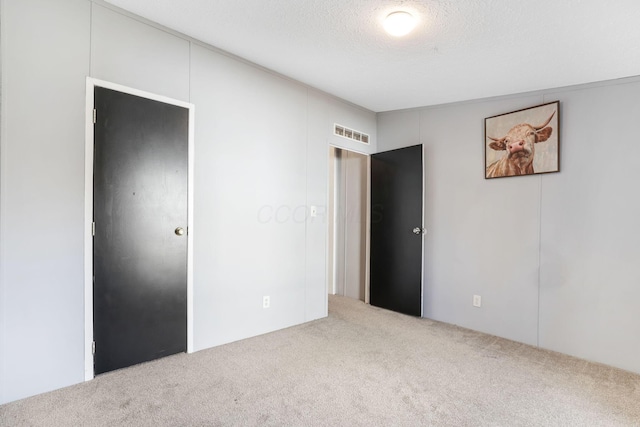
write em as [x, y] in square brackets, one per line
[477, 301]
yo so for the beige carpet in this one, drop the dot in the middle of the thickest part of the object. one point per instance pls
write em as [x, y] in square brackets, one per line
[361, 366]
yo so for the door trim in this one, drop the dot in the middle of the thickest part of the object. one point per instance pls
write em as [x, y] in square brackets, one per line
[424, 226]
[91, 83]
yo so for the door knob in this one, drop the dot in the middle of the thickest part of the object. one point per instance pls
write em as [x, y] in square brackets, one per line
[418, 230]
[179, 231]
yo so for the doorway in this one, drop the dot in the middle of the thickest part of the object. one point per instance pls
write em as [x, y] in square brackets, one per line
[348, 223]
[139, 204]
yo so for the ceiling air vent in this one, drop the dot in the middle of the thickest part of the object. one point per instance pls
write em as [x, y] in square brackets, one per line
[354, 135]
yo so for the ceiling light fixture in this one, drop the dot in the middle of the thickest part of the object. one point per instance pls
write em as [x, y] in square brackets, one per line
[399, 24]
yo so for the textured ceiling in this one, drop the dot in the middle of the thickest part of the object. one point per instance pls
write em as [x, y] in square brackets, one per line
[461, 49]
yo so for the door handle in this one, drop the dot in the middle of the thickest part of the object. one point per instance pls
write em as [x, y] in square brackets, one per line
[419, 230]
[179, 231]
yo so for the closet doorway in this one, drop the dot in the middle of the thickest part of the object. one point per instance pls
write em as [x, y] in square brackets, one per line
[348, 224]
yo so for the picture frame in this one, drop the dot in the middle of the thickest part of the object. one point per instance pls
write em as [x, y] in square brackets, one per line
[523, 142]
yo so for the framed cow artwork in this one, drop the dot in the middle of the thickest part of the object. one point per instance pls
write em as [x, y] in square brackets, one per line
[523, 142]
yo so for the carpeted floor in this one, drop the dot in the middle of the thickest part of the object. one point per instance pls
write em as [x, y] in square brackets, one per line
[361, 366]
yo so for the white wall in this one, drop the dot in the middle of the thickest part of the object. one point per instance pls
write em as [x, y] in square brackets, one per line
[45, 59]
[553, 256]
[589, 273]
[261, 143]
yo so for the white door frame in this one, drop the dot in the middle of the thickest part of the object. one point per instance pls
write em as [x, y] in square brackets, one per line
[88, 213]
[331, 250]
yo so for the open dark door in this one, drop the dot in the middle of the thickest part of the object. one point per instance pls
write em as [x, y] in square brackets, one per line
[140, 241]
[396, 230]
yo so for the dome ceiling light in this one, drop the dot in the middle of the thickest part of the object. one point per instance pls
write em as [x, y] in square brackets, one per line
[399, 24]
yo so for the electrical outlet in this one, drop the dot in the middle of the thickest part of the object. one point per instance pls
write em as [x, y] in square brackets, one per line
[266, 301]
[477, 301]
[313, 211]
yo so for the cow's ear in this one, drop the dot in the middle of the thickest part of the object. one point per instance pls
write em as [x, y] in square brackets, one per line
[498, 145]
[544, 134]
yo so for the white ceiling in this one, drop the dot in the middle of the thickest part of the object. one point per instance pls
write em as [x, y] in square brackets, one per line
[461, 50]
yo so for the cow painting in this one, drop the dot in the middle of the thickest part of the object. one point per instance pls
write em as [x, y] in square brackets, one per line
[516, 149]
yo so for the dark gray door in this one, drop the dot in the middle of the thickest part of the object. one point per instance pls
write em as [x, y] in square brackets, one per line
[396, 230]
[140, 208]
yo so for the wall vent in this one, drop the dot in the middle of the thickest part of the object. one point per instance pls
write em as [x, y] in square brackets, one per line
[352, 134]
